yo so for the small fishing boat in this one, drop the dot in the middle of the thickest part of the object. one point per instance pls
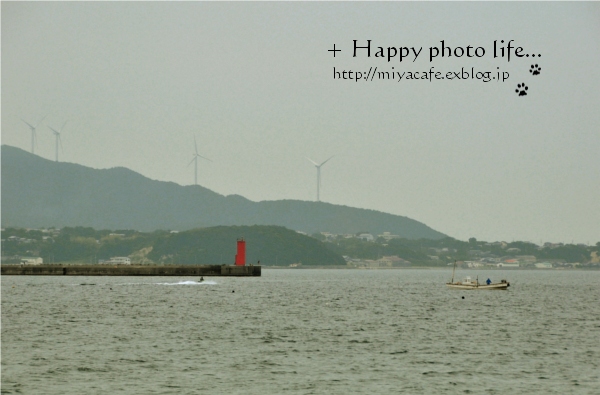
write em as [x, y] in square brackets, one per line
[467, 283]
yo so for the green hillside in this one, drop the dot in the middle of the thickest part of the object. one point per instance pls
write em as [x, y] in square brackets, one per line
[271, 245]
[216, 245]
[37, 193]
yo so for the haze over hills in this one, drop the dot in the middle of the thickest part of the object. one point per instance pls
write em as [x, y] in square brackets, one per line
[37, 192]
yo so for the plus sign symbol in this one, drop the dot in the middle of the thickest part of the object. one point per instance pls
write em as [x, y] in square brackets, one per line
[334, 50]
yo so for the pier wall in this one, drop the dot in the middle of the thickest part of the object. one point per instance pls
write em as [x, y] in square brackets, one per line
[130, 270]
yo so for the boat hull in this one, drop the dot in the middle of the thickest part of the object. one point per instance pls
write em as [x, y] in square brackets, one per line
[497, 286]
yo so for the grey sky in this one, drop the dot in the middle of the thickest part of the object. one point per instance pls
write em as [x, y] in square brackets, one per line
[254, 83]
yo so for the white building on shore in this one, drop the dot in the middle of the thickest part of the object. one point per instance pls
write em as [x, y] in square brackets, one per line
[27, 260]
[118, 260]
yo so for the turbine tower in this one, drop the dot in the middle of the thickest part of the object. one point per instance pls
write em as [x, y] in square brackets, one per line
[57, 135]
[195, 159]
[33, 135]
[318, 166]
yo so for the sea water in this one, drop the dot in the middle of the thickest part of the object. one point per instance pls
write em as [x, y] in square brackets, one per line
[301, 331]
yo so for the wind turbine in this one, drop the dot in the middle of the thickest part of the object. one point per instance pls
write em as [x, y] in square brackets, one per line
[57, 135]
[318, 166]
[195, 159]
[33, 135]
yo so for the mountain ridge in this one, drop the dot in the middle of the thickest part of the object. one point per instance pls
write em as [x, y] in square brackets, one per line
[38, 192]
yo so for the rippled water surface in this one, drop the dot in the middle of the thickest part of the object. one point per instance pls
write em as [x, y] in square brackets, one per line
[302, 332]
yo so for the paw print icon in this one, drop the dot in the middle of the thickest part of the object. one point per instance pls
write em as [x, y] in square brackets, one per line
[535, 69]
[521, 89]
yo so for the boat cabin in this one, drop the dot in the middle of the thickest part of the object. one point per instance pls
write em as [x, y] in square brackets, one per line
[468, 281]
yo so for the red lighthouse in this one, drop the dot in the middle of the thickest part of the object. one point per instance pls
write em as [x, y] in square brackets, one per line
[240, 257]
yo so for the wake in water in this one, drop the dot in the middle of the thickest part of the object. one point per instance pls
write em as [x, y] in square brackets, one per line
[207, 282]
[188, 282]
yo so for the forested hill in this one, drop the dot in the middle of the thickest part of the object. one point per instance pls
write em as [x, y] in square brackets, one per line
[37, 192]
[272, 245]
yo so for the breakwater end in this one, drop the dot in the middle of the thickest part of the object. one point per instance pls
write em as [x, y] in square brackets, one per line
[131, 270]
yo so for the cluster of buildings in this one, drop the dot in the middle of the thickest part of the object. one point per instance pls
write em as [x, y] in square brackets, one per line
[515, 262]
[48, 235]
[363, 236]
[383, 262]
[33, 249]
[31, 260]
[24, 240]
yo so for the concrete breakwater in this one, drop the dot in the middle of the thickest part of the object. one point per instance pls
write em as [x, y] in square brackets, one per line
[130, 270]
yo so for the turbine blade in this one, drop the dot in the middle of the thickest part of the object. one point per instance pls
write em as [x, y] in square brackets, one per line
[312, 161]
[63, 126]
[54, 130]
[200, 156]
[60, 141]
[195, 145]
[44, 117]
[327, 160]
[28, 124]
[193, 159]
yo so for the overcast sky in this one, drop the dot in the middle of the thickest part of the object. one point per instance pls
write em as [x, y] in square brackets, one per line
[254, 83]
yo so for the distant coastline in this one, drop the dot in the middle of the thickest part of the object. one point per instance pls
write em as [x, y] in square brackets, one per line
[276, 246]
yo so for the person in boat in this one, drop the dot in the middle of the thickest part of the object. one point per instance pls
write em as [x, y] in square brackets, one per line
[488, 281]
[201, 279]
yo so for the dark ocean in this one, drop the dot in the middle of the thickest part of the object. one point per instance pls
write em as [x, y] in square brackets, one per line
[301, 331]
